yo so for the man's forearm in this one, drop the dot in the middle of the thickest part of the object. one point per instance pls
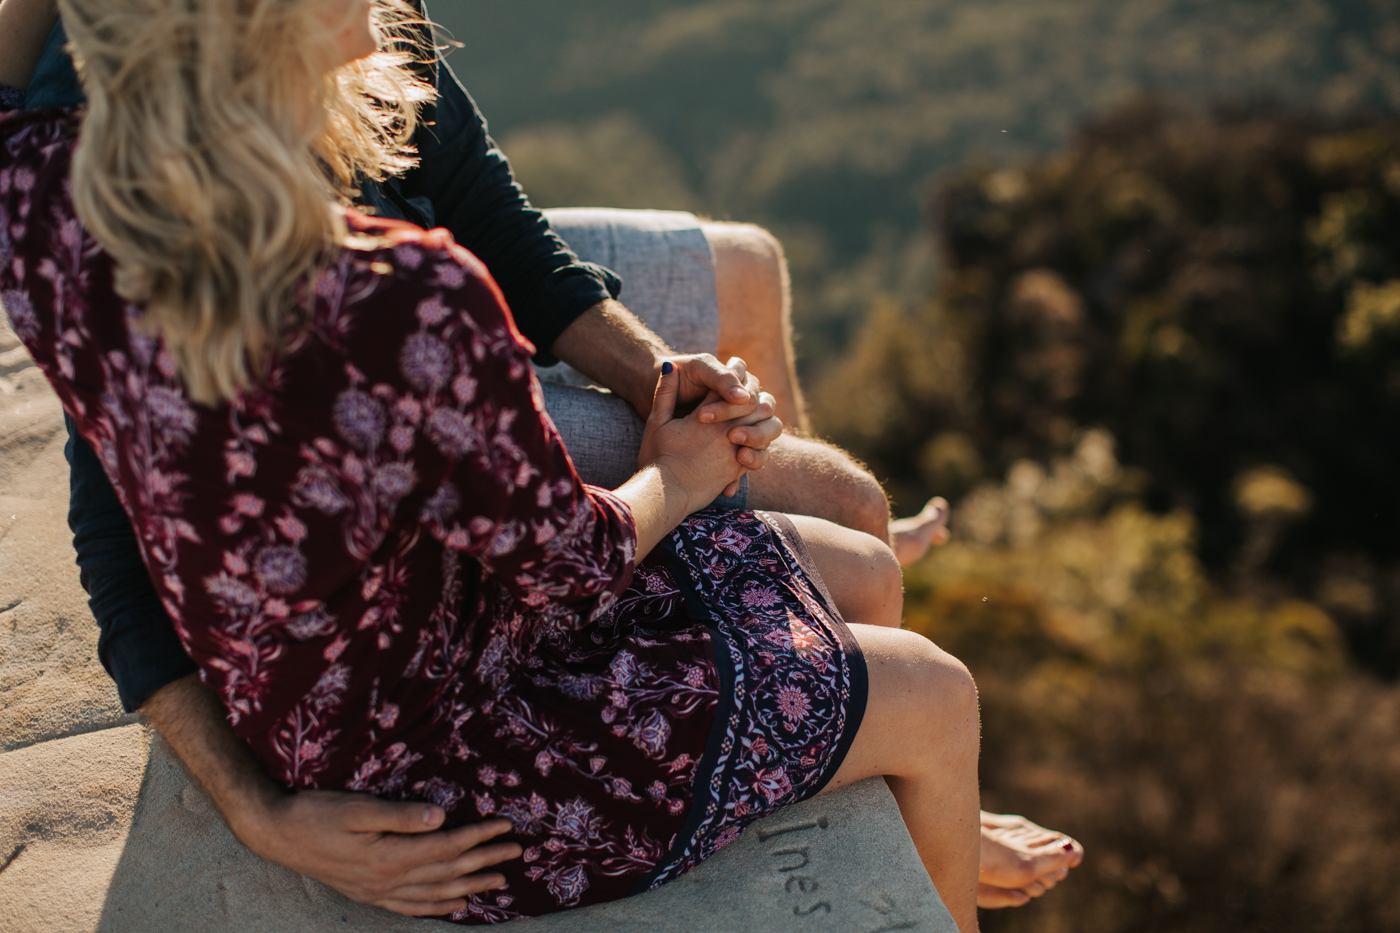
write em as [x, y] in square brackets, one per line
[611, 346]
[191, 719]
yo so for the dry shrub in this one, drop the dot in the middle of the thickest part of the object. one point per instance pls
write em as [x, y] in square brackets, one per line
[1223, 766]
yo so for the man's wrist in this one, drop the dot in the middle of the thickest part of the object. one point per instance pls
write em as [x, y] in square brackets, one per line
[609, 345]
[192, 721]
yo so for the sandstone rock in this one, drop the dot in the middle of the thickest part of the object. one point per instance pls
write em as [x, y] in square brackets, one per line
[842, 863]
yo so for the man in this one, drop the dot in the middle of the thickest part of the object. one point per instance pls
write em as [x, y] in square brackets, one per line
[392, 854]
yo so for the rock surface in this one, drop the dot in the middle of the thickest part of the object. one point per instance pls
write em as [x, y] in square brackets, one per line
[101, 829]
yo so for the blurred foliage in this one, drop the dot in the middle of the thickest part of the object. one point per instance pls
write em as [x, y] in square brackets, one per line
[1223, 766]
[826, 119]
[1220, 292]
[610, 162]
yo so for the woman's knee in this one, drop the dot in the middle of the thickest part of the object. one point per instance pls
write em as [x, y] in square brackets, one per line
[859, 570]
[947, 693]
[921, 716]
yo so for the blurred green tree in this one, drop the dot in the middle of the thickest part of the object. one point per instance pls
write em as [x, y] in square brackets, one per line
[1217, 290]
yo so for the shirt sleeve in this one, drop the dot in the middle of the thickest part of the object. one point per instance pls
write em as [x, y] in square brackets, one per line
[138, 645]
[468, 181]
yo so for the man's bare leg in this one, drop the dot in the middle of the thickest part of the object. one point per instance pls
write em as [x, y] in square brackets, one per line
[809, 477]
[754, 290]
[755, 312]
[912, 537]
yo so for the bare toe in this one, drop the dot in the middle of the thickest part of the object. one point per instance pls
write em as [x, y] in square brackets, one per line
[913, 536]
[994, 898]
[1017, 853]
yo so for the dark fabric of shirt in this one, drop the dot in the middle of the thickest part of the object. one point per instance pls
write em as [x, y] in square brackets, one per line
[463, 182]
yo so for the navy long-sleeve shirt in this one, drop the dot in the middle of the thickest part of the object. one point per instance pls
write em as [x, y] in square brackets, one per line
[464, 183]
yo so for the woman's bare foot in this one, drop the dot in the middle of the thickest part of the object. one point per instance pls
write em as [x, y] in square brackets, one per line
[911, 537]
[1020, 860]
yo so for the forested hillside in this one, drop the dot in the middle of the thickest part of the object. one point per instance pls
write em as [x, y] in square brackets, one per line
[828, 118]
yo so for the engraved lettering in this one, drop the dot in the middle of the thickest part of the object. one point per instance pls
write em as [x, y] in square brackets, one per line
[820, 905]
[801, 853]
[801, 883]
[819, 823]
[885, 907]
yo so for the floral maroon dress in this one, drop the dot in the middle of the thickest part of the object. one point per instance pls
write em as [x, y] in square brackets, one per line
[385, 565]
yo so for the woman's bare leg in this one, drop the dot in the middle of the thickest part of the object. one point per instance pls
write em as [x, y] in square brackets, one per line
[921, 732]
[921, 729]
[859, 570]
[1018, 860]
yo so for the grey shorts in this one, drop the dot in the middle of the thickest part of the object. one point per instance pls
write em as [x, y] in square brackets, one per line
[668, 277]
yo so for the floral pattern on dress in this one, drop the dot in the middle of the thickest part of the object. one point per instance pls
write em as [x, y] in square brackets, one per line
[794, 680]
[385, 566]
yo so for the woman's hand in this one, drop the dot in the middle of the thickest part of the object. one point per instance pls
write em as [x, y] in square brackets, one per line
[686, 463]
[704, 459]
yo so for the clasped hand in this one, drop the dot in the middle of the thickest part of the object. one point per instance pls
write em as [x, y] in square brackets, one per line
[727, 434]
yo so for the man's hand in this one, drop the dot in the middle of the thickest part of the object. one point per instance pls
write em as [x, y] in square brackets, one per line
[386, 854]
[609, 345]
[729, 392]
[370, 850]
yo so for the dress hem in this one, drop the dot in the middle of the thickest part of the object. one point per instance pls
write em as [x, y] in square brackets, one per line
[783, 528]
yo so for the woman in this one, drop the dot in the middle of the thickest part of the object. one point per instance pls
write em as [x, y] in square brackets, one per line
[326, 432]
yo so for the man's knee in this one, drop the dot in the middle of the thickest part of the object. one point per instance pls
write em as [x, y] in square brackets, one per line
[744, 245]
[870, 506]
[809, 477]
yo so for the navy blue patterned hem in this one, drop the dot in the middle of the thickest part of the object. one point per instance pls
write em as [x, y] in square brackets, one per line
[793, 681]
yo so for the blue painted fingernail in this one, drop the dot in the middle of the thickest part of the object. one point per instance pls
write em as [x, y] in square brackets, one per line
[667, 368]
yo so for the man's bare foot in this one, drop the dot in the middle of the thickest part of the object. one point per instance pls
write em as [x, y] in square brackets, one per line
[1020, 860]
[912, 537]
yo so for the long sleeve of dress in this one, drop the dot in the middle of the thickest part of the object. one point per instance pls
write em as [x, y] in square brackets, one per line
[463, 182]
[512, 499]
[137, 644]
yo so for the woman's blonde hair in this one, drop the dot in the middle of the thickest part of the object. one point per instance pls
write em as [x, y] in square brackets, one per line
[217, 141]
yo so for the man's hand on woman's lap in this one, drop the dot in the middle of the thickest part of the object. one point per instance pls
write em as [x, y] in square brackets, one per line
[392, 855]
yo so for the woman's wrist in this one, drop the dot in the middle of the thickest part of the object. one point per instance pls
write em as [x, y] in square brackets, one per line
[659, 501]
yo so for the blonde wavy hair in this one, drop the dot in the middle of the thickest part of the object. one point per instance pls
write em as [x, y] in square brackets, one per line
[218, 141]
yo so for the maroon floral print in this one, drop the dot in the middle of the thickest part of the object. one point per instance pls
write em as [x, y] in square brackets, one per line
[385, 566]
